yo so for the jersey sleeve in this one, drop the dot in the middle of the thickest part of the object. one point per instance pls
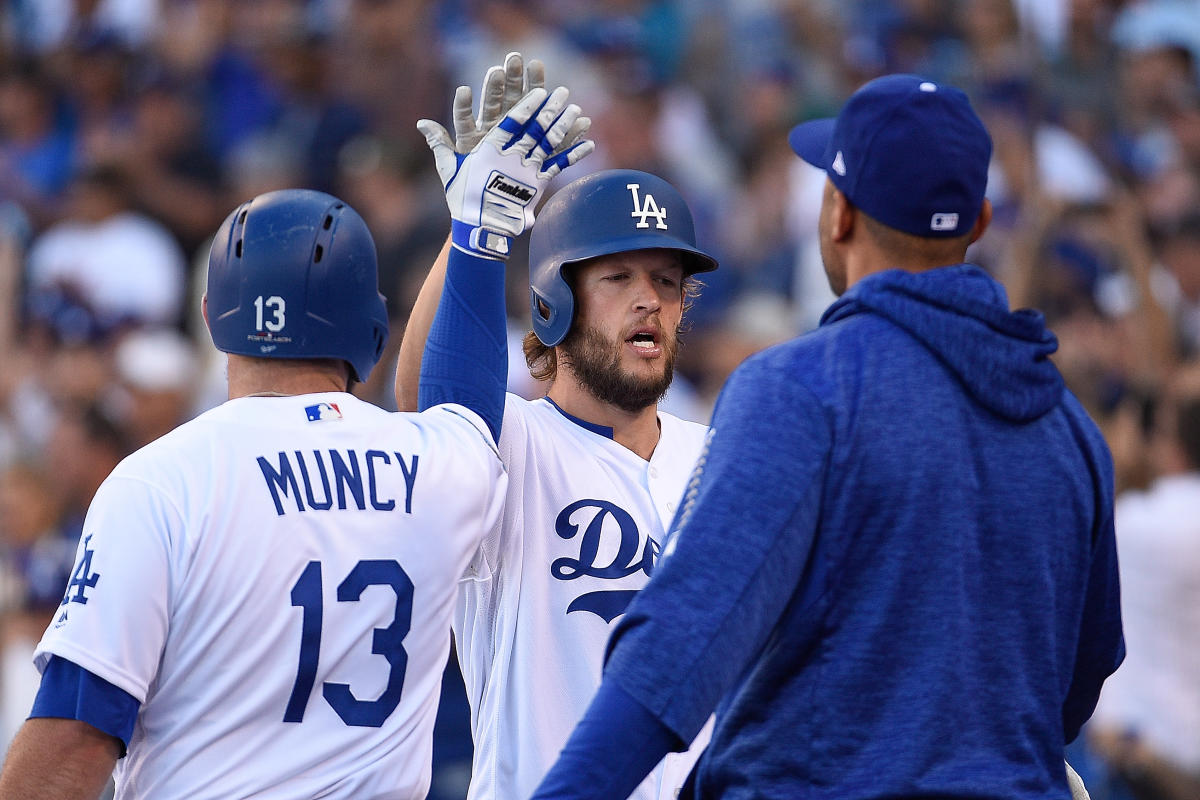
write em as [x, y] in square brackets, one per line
[69, 691]
[468, 416]
[484, 562]
[740, 541]
[113, 618]
[480, 473]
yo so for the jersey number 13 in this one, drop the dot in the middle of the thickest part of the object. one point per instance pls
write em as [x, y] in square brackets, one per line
[387, 642]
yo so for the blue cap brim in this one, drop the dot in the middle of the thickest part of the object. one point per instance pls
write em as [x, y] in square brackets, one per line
[810, 141]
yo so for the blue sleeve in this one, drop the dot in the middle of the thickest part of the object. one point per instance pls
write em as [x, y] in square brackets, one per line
[594, 763]
[1101, 644]
[736, 552]
[466, 354]
[68, 691]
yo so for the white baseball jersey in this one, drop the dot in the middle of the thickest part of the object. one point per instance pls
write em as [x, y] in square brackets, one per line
[582, 524]
[274, 581]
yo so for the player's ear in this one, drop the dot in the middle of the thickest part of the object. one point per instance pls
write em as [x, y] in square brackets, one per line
[981, 224]
[842, 215]
[204, 309]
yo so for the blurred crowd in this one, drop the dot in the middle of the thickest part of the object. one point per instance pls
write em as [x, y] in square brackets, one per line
[130, 128]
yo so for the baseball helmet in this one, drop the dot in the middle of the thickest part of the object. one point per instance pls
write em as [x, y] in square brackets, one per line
[613, 211]
[293, 274]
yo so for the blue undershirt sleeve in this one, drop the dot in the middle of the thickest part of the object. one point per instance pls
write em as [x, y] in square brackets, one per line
[466, 353]
[612, 749]
[68, 691]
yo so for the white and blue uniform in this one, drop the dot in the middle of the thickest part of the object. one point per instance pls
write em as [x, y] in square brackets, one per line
[582, 526]
[273, 583]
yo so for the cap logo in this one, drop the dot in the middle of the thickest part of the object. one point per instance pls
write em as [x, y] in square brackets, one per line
[944, 222]
[839, 164]
[647, 207]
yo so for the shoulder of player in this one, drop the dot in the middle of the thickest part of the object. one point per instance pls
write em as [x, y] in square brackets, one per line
[826, 352]
[804, 378]
[537, 414]
[448, 422]
[166, 464]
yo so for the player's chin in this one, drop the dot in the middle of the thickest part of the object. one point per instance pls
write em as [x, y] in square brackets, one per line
[644, 367]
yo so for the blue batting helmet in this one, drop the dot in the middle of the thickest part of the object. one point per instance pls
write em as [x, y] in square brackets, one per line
[613, 211]
[293, 274]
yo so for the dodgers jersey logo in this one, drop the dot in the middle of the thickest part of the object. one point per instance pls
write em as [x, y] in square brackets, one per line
[598, 538]
[83, 578]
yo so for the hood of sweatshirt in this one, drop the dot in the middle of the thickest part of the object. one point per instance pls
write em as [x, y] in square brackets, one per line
[960, 314]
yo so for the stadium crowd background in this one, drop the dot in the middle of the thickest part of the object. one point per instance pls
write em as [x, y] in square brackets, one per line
[129, 128]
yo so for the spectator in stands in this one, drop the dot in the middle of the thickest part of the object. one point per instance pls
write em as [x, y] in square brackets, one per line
[122, 264]
[1147, 723]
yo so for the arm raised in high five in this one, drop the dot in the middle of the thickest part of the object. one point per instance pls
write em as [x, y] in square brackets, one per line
[502, 87]
[492, 192]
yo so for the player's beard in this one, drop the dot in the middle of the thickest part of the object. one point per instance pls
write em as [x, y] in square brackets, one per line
[596, 362]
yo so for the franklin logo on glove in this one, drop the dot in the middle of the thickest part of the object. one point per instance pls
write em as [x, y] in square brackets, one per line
[501, 183]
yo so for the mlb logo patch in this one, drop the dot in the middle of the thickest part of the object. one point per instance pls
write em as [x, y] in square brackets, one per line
[323, 411]
[944, 222]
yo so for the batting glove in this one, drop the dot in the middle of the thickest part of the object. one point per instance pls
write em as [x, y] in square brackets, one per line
[503, 86]
[492, 191]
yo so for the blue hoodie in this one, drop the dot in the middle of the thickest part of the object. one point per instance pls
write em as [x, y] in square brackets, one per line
[894, 572]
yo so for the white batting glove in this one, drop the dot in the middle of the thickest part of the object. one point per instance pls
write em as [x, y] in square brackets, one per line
[492, 190]
[503, 85]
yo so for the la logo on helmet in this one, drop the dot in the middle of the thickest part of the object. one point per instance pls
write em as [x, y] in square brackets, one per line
[646, 208]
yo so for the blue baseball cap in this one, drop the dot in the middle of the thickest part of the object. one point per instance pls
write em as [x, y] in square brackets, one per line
[909, 152]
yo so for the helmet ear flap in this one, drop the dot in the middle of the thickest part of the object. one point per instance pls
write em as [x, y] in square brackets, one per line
[552, 317]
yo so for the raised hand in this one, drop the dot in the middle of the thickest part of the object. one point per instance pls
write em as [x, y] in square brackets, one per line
[492, 190]
[503, 86]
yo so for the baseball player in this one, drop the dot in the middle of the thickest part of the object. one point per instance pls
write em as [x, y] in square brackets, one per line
[595, 469]
[894, 574]
[261, 601]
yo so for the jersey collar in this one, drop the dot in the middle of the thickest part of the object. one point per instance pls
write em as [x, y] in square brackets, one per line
[602, 430]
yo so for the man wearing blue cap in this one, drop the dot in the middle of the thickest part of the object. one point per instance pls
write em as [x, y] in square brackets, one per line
[893, 574]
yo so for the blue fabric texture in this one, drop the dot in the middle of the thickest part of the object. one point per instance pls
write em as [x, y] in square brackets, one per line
[466, 354]
[894, 572]
[600, 761]
[68, 691]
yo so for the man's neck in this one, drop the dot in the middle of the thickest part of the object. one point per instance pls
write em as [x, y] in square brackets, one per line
[636, 430]
[250, 378]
